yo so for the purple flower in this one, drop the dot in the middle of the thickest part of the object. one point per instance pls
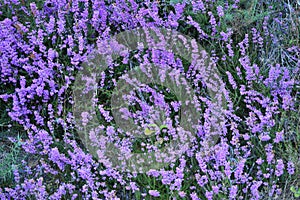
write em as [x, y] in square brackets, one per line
[215, 189]
[194, 196]
[49, 7]
[182, 194]
[279, 167]
[233, 191]
[209, 195]
[220, 11]
[265, 138]
[290, 168]
[279, 137]
[154, 193]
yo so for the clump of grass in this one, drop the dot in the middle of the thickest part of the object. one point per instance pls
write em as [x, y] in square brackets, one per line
[11, 152]
[10, 157]
[285, 30]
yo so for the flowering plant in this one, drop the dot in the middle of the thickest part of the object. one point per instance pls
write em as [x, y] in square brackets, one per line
[216, 122]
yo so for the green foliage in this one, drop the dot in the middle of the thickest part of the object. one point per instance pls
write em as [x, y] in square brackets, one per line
[295, 191]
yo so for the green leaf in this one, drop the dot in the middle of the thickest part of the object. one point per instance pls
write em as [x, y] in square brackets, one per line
[152, 125]
[163, 126]
[293, 189]
[148, 131]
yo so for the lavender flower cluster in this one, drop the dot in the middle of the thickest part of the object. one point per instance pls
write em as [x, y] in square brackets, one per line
[42, 47]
